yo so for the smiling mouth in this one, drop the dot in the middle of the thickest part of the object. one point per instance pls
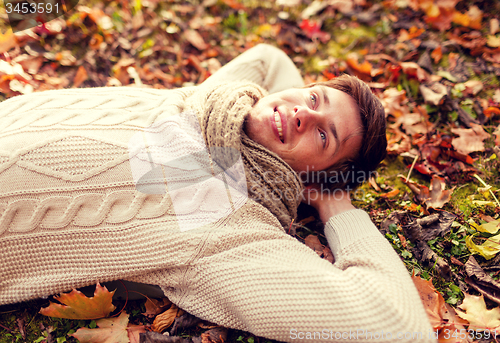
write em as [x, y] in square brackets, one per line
[279, 125]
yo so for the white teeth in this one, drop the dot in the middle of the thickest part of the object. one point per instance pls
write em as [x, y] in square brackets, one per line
[277, 119]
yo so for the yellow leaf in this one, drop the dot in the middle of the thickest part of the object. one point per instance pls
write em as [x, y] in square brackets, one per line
[77, 306]
[7, 41]
[493, 41]
[488, 249]
[483, 203]
[477, 315]
[491, 227]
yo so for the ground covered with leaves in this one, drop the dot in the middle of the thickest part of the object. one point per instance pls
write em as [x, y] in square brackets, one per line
[435, 65]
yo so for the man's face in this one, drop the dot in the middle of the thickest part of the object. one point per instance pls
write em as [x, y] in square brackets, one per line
[309, 128]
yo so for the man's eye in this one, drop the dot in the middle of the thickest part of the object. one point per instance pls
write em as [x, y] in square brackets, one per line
[323, 137]
[313, 100]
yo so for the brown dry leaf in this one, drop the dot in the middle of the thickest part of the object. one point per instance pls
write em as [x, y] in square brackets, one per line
[215, 335]
[195, 39]
[415, 123]
[441, 316]
[469, 140]
[434, 94]
[78, 306]
[438, 195]
[313, 242]
[413, 69]
[395, 102]
[473, 86]
[29, 63]
[479, 317]
[481, 281]
[165, 319]
[156, 306]
[433, 197]
[80, 77]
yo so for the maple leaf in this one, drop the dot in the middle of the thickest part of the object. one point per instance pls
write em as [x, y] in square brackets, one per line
[110, 330]
[476, 313]
[469, 140]
[433, 197]
[441, 315]
[77, 306]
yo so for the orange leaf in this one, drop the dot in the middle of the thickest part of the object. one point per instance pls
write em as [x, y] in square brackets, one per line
[441, 315]
[78, 306]
[165, 319]
[390, 194]
[80, 77]
[490, 111]
[437, 54]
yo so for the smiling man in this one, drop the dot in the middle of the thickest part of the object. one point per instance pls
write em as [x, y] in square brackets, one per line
[309, 128]
[71, 213]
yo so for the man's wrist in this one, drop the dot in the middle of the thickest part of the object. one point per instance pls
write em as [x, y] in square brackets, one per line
[332, 209]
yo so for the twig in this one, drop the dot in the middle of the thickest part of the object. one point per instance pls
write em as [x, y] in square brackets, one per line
[411, 168]
[485, 185]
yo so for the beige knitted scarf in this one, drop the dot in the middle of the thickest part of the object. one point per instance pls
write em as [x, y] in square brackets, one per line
[270, 181]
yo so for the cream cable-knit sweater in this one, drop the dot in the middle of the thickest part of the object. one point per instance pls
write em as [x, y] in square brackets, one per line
[70, 216]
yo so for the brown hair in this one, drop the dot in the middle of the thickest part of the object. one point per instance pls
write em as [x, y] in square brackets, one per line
[350, 173]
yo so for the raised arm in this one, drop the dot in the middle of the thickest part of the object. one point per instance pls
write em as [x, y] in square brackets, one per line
[263, 64]
[276, 287]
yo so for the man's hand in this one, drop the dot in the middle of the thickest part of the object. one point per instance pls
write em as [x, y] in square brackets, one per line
[328, 203]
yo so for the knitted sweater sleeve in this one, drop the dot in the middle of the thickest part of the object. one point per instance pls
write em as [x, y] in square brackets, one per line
[280, 289]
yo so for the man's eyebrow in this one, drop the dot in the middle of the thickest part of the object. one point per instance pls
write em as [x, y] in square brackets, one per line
[326, 101]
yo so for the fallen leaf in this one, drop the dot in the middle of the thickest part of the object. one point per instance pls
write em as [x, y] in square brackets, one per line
[215, 335]
[469, 140]
[77, 306]
[491, 227]
[481, 281]
[494, 26]
[475, 312]
[165, 319]
[80, 77]
[488, 249]
[433, 197]
[7, 41]
[473, 86]
[110, 330]
[437, 54]
[441, 316]
[490, 111]
[497, 136]
[156, 306]
[195, 39]
[312, 241]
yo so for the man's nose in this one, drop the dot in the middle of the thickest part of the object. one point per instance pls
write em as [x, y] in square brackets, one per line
[304, 117]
